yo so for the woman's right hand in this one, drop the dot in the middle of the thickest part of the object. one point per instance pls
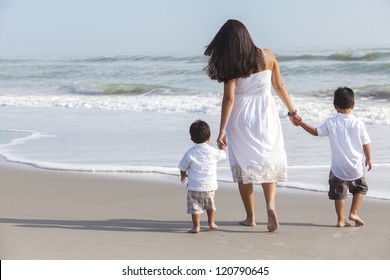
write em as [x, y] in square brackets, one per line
[221, 140]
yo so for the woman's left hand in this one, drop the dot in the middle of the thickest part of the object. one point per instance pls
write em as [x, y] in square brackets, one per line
[295, 120]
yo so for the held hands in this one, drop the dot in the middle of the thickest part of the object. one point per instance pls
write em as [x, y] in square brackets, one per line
[221, 140]
[295, 119]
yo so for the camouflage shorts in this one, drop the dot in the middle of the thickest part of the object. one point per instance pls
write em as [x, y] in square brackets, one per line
[199, 201]
[338, 188]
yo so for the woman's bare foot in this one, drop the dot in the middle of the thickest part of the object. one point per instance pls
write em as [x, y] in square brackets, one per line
[273, 223]
[194, 230]
[213, 225]
[358, 222]
[248, 223]
[343, 224]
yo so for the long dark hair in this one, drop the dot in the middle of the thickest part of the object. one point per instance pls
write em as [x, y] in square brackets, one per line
[232, 53]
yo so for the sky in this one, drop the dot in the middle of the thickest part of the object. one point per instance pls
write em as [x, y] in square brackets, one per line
[166, 27]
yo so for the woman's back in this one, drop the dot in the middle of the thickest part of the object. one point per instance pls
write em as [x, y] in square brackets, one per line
[259, 83]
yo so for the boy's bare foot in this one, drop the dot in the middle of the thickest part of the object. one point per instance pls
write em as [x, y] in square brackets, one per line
[358, 222]
[343, 224]
[248, 223]
[194, 230]
[273, 223]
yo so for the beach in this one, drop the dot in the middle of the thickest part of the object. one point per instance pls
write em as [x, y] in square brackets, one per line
[58, 215]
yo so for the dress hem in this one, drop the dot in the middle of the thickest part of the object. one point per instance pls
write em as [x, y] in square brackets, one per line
[265, 174]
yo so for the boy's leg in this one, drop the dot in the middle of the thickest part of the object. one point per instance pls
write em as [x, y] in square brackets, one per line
[248, 198]
[340, 210]
[338, 192]
[353, 215]
[269, 190]
[211, 219]
[209, 205]
[193, 206]
[196, 223]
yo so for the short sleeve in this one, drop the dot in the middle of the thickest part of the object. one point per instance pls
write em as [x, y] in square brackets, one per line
[184, 163]
[364, 137]
[323, 130]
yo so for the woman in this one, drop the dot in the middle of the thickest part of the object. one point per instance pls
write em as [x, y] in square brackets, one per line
[250, 125]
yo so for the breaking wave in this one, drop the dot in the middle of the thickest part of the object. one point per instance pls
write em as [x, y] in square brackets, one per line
[341, 56]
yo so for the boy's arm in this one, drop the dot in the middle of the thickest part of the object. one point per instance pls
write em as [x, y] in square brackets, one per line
[367, 153]
[183, 175]
[222, 154]
[308, 128]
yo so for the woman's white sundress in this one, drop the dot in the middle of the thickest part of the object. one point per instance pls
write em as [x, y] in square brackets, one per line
[254, 133]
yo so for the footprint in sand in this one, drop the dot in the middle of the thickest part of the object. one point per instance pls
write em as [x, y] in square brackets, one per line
[343, 234]
[281, 244]
[338, 235]
[220, 239]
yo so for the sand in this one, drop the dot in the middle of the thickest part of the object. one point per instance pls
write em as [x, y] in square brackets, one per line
[54, 215]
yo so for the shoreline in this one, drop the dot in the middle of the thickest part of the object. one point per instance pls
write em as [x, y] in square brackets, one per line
[150, 175]
[308, 156]
[71, 215]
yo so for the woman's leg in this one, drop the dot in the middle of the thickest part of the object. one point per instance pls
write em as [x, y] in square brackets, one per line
[269, 190]
[248, 198]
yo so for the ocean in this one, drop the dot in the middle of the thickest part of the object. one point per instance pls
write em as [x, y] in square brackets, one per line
[130, 114]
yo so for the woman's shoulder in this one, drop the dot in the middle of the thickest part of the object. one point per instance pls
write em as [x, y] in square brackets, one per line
[269, 58]
[268, 54]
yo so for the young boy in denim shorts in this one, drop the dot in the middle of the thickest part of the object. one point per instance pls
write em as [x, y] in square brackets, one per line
[199, 164]
[350, 148]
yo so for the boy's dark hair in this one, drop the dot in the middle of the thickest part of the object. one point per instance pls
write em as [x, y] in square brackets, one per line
[200, 131]
[344, 98]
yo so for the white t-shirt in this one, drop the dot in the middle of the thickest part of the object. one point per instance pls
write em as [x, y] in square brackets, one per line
[347, 135]
[201, 163]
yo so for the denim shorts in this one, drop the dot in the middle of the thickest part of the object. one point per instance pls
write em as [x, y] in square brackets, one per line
[338, 188]
[199, 201]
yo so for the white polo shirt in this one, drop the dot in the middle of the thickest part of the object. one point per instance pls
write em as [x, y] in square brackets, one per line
[347, 135]
[201, 163]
